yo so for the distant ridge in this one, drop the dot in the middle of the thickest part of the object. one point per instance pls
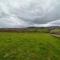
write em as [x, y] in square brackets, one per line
[26, 29]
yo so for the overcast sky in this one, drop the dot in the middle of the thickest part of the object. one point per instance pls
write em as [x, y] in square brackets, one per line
[23, 13]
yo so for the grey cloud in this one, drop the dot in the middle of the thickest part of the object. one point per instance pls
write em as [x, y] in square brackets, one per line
[23, 13]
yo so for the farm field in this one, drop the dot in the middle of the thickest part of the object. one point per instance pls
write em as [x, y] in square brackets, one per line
[29, 46]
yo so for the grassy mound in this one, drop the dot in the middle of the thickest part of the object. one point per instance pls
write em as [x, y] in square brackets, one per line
[55, 32]
[29, 46]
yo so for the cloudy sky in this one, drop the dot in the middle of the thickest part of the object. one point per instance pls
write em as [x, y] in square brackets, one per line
[24, 13]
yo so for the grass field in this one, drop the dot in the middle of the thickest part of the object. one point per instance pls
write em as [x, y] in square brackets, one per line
[29, 46]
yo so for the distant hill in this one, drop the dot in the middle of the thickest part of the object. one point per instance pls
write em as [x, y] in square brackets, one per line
[29, 29]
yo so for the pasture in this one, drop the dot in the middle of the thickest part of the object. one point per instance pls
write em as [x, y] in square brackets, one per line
[29, 46]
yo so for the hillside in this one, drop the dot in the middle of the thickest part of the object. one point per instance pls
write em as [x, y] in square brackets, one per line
[29, 29]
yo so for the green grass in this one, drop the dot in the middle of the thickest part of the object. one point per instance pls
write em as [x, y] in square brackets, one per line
[29, 46]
